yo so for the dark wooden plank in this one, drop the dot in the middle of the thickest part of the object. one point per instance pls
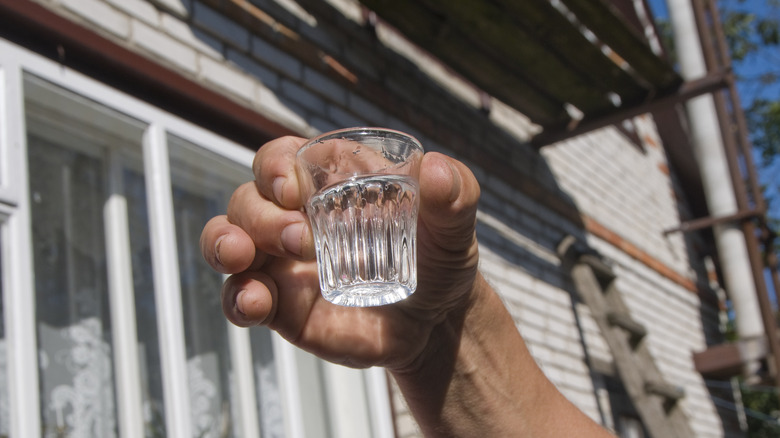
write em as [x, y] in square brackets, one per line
[557, 35]
[530, 56]
[526, 51]
[435, 34]
[606, 22]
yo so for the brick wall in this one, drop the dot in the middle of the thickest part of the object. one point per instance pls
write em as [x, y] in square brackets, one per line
[314, 66]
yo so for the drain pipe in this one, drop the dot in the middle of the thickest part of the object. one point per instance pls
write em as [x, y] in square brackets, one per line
[719, 191]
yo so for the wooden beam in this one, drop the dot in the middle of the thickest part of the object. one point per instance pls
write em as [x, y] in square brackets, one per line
[727, 360]
[533, 41]
[689, 90]
[444, 39]
[707, 222]
[557, 35]
[606, 22]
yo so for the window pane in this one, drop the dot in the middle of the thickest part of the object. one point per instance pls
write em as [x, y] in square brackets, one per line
[74, 331]
[69, 140]
[200, 191]
[145, 304]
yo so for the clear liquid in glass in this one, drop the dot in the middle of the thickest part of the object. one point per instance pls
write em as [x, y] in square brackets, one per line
[365, 232]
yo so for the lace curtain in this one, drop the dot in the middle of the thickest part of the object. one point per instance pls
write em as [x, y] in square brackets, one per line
[74, 328]
[199, 193]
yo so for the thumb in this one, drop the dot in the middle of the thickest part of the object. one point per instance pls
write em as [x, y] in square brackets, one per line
[449, 194]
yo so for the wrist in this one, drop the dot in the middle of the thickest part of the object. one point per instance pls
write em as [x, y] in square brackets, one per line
[477, 377]
[449, 361]
[444, 331]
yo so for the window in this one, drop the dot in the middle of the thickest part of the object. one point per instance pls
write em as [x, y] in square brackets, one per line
[110, 321]
[70, 147]
[199, 193]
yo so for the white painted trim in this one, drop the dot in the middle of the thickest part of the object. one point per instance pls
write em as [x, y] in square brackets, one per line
[378, 395]
[123, 317]
[166, 283]
[113, 98]
[244, 381]
[18, 282]
[347, 401]
[358, 402]
[19, 304]
[287, 372]
[10, 141]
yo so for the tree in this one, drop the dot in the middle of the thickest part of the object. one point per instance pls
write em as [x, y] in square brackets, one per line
[752, 31]
[753, 34]
[747, 32]
[761, 409]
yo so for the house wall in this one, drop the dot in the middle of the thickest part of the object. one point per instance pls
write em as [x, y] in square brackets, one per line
[319, 67]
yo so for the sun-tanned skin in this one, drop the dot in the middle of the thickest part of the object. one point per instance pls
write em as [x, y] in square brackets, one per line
[452, 346]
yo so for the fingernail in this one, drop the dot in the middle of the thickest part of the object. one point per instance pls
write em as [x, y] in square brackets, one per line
[278, 188]
[455, 190]
[292, 238]
[240, 302]
[216, 249]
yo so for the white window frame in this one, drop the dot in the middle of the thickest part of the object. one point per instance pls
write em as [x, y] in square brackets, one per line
[10, 122]
[18, 284]
[18, 281]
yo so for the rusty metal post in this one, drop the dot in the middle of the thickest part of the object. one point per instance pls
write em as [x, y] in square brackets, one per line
[734, 130]
[747, 155]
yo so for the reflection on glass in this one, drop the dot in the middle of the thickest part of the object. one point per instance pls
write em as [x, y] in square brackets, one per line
[200, 192]
[74, 329]
[145, 305]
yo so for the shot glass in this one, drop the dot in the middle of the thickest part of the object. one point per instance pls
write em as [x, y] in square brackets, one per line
[361, 190]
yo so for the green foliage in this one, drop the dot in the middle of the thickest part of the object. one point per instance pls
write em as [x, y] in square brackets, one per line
[740, 28]
[751, 34]
[753, 37]
[747, 32]
[763, 117]
[768, 31]
[762, 407]
[667, 39]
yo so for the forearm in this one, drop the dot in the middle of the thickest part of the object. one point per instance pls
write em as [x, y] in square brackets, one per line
[479, 379]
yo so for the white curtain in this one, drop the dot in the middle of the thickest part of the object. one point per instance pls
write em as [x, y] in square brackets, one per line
[74, 328]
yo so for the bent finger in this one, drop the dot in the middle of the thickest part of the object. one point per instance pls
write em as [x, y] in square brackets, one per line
[249, 298]
[227, 247]
[274, 230]
[274, 169]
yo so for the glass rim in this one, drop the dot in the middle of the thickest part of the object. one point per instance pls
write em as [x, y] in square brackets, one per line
[365, 131]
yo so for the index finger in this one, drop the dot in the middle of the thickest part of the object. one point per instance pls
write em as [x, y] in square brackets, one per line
[274, 169]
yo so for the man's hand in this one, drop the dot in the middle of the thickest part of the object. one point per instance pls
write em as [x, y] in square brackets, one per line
[265, 242]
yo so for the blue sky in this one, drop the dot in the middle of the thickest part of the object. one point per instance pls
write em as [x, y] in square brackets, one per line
[751, 68]
[750, 85]
[749, 72]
